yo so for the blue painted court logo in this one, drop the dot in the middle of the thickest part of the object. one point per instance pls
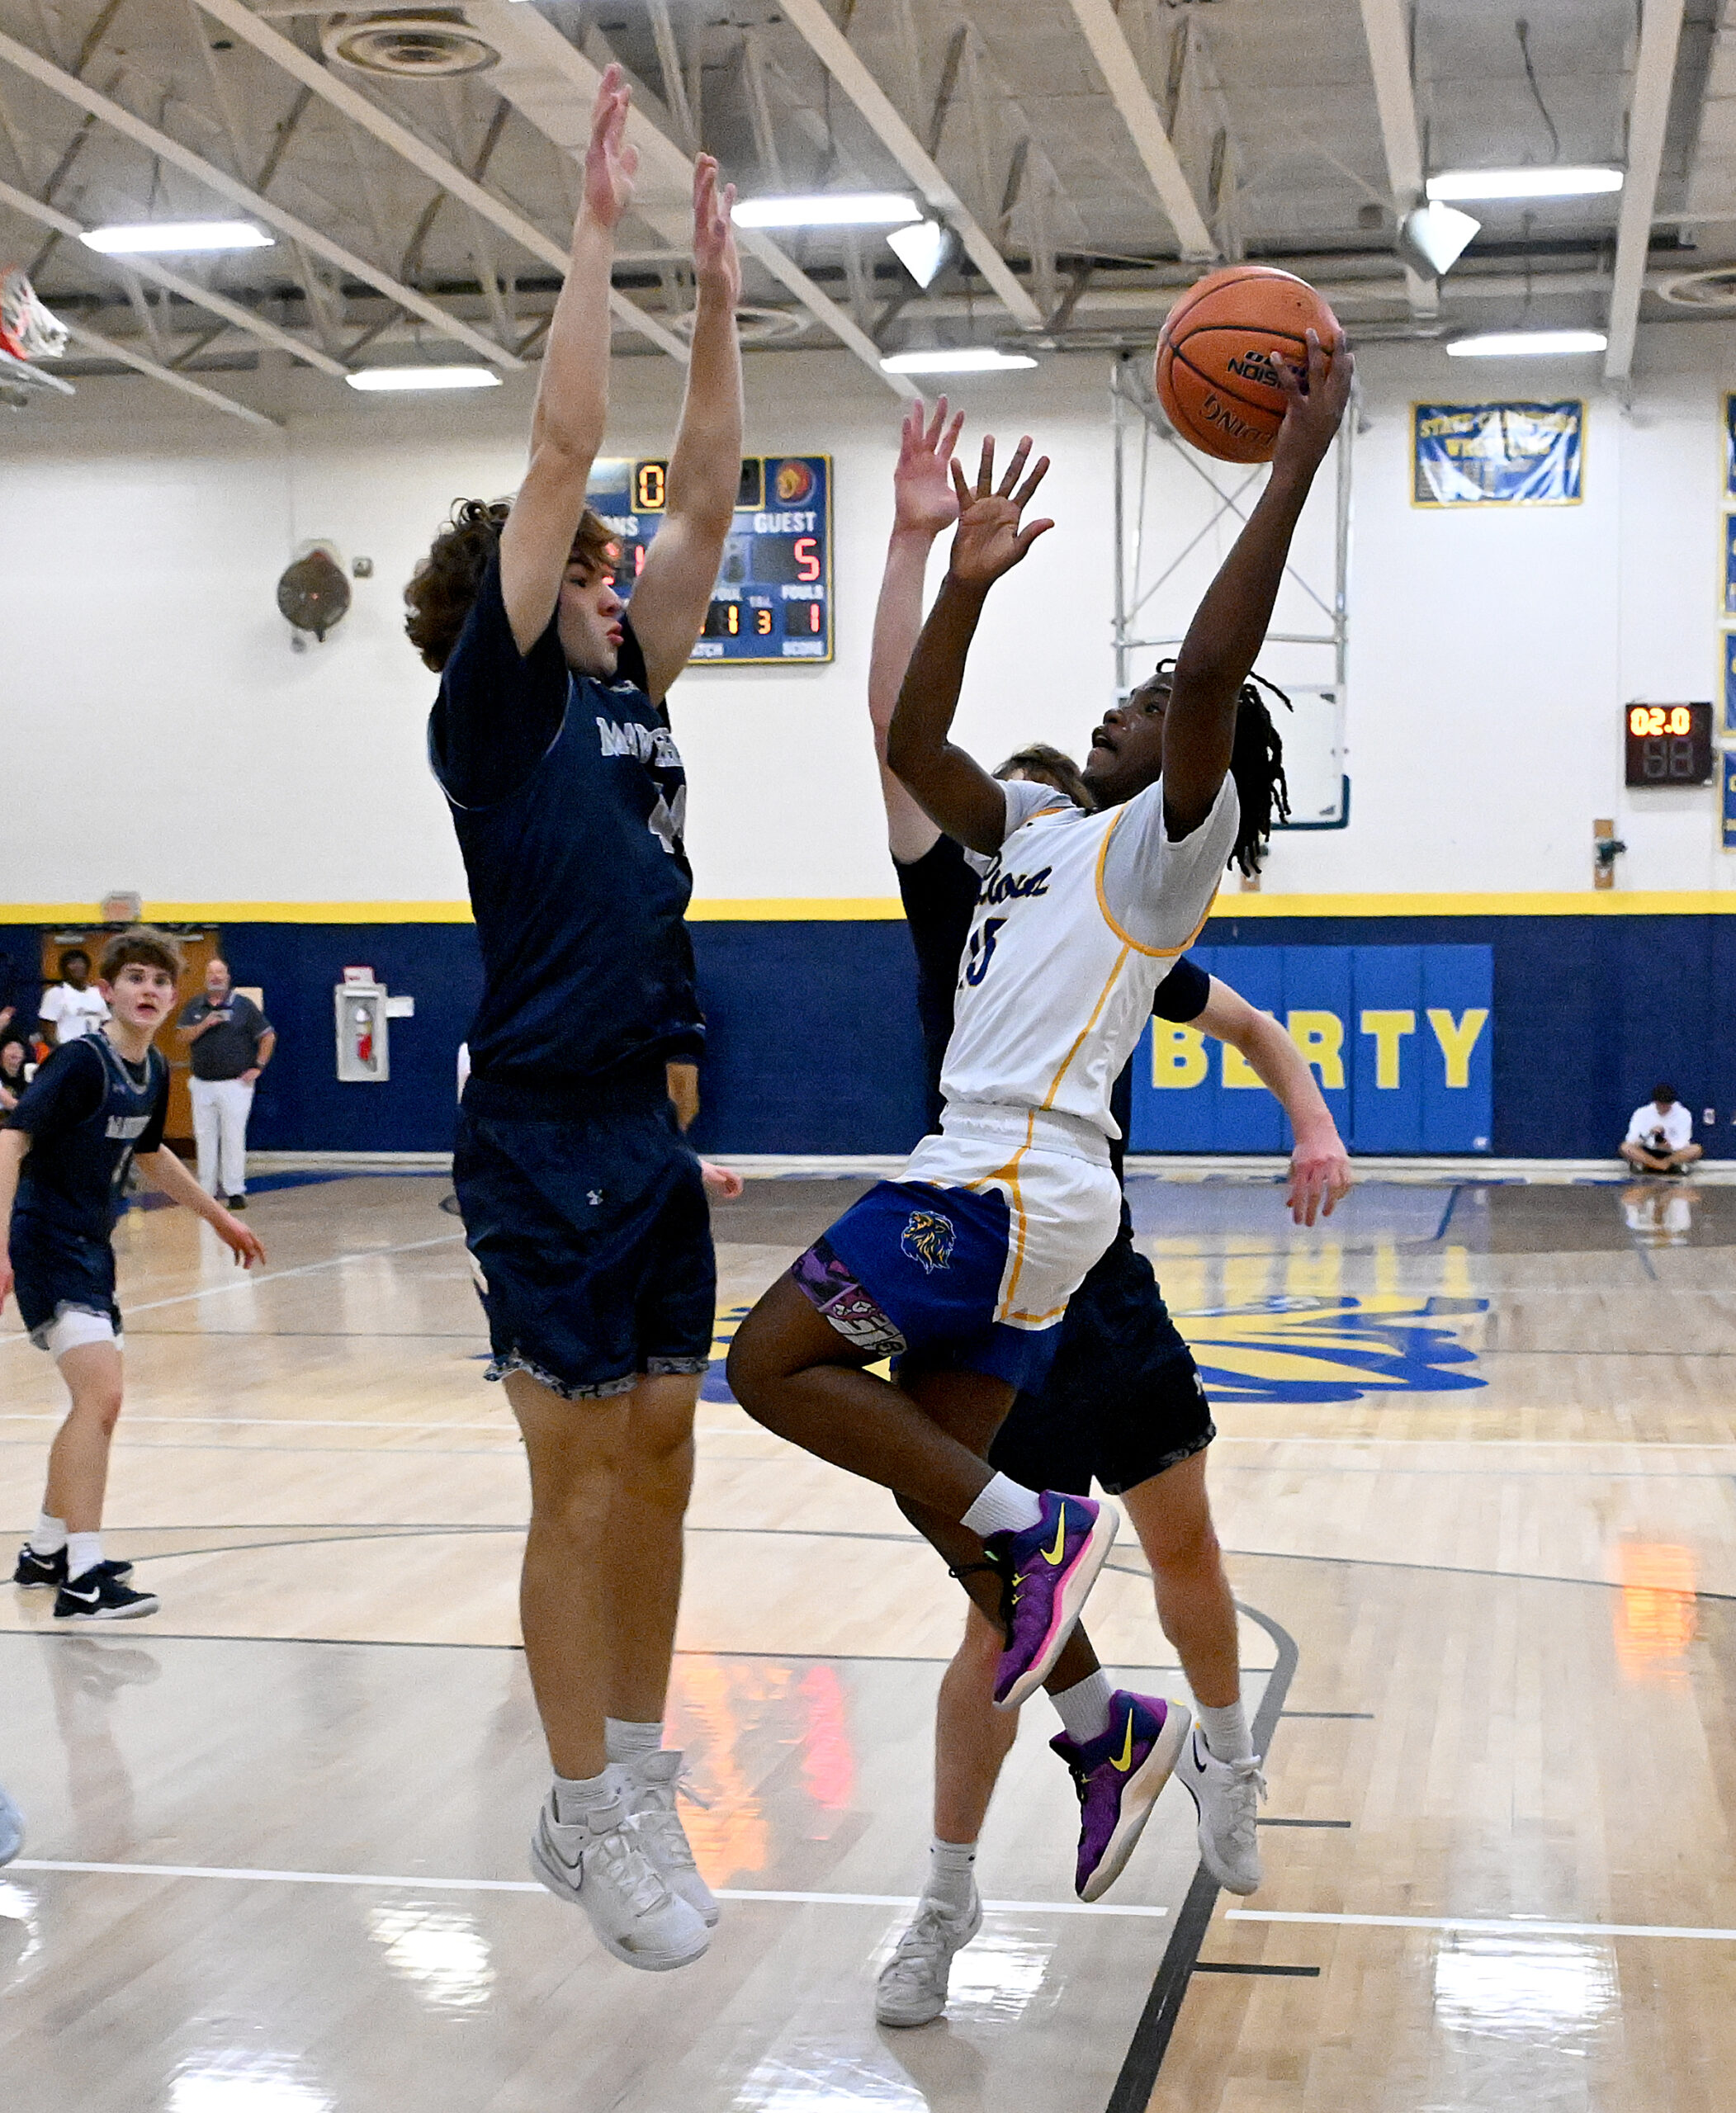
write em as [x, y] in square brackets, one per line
[1332, 1350]
[928, 1238]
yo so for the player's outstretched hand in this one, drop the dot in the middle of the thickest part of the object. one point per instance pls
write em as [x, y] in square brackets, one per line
[1319, 1177]
[989, 540]
[610, 163]
[716, 266]
[923, 502]
[1313, 410]
[242, 1242]
[724, 1184]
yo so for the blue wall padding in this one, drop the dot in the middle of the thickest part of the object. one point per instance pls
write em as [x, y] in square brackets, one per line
[814, 1045]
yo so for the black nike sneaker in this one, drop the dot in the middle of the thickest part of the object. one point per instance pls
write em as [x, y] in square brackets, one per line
[94, 1597]
[39, 1570]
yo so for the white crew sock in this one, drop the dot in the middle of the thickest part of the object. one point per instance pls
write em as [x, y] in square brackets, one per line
[1003, 1506]
[622, 1741]
[576, 1795]
[950, 1867]
[84, 1552]
[1226, 1734]
[49, 1535]
[1084, 1708]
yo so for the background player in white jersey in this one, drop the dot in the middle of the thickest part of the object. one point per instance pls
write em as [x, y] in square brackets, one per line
[1122, 1403]
[963, 1269]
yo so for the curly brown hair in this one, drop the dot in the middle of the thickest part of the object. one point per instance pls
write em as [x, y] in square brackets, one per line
[144, 944]
[445, 583]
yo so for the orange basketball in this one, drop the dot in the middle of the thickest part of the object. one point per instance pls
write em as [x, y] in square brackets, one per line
[1218, 355]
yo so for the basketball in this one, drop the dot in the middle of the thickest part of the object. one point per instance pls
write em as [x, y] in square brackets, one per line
[1217, 356]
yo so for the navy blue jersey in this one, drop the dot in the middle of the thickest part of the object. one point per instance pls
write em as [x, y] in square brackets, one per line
[87, 1111]
[568, 798]
[939, 895]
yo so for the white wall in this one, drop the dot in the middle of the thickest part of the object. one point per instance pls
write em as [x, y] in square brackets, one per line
[160, 732]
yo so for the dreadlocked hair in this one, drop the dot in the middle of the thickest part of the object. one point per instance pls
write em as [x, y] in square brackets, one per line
[1256, 764]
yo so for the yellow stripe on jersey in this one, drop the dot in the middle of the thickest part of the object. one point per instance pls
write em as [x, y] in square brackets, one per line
[1127, 939]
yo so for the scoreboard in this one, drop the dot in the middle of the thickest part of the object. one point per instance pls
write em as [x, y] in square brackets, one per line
[1669, 744]
[772, 601]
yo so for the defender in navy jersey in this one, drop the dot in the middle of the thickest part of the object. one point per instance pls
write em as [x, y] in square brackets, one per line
[584, 1210]
[96, 1107]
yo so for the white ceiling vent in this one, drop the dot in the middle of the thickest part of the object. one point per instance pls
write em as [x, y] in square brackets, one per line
[433, 46]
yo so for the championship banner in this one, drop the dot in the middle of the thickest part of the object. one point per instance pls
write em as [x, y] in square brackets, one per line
[1496, 454]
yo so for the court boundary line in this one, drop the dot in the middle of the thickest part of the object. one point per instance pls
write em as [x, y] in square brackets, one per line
[1130, 1910]
[1144, 2059]
[1506, 1926]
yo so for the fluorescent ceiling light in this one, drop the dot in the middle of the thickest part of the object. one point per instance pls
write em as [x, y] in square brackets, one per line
[423, 377]
[832, 209]
[143, 238]
[964, 359]
[1456, 185]
[1433, 236]
[923, 249]
[1517, 344]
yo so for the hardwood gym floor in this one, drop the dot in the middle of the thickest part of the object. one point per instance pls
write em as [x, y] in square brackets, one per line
[1475, 1469]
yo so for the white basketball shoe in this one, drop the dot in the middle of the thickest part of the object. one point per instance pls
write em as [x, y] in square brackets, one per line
[913, 1982]
[652, 1782]
[598, 1863]
[1226, 1795]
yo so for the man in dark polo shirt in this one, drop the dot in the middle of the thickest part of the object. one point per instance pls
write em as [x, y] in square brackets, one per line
[231, 1042]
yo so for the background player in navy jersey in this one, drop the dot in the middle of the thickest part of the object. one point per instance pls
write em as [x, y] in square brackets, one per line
[1123, 1402]
[97, 1105]
[583, 1209]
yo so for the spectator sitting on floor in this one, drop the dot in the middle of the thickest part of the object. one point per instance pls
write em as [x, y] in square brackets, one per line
[1659, 1138]
[74, 1007]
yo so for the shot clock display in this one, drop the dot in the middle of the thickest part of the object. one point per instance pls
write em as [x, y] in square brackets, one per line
[1669, 744]
[773, 602]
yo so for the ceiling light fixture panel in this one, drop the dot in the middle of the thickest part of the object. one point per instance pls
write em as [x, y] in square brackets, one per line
[383, 378]
[1465, 185]
[831, 209]
[1527, 344]
[175, 238]
[962, 359]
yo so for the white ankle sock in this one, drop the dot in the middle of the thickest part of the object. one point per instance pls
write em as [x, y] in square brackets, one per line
[84, 1552]
[623, 1741]
[576, 1795]
[1227, 1735]
[49, 1535]
[1003, 1506]
[1084, 1708]
[950, 1867]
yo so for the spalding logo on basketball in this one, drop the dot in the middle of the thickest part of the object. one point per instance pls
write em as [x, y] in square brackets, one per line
[1218, 354]
[928, 1238]
[792, 483]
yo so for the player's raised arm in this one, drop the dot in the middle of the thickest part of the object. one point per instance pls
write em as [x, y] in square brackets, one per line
[572, 395]
[924, 504]
[1320, 1167]
[673, 592]
[952, 787]
[1229, 626]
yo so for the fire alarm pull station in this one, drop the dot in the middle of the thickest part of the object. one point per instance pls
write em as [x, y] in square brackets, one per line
[363, 1051]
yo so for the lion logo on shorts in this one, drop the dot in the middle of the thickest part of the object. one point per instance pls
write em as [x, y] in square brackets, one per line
[928, 1238]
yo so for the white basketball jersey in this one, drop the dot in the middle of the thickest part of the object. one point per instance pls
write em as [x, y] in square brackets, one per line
[1078, 919]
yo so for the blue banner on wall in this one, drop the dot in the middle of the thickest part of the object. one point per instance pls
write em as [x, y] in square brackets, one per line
[1729, 799]
[1729, 681]
[1729, 447]
[1400, 1039]
[1498, 454]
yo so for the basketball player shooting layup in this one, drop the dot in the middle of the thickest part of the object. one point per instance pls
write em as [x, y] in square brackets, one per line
[1122, 1403]
[963, 1269]
[584, 1210]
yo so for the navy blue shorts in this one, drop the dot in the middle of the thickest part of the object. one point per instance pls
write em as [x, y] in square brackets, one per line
[1123, 1400]
[591, 1241]
[913, 1271]
[52, 1271]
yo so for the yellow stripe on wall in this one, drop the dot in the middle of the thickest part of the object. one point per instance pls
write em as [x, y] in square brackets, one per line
[787, 910]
